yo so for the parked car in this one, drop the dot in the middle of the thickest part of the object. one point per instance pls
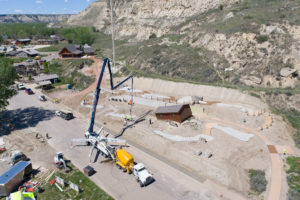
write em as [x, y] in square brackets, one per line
[42, 98]
[67, 116]
[64, 114]
[58, 113]
[29, 91]
[18, 156]
[21, 86]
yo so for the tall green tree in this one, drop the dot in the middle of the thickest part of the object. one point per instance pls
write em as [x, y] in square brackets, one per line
[7, 77]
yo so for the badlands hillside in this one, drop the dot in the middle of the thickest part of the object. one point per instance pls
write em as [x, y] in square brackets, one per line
[234, 43]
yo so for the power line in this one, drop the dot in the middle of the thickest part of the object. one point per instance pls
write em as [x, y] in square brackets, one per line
[112, 31]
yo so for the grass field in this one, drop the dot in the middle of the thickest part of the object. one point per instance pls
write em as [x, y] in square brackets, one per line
[53, 48]
[88, 189]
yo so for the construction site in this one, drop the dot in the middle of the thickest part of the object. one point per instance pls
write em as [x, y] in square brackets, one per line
[224, 134]
[130, 137]
[213, 134]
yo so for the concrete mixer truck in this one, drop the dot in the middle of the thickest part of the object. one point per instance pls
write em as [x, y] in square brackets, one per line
[125, 161]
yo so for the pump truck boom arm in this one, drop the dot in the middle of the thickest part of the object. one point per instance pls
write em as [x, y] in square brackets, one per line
[98, 89]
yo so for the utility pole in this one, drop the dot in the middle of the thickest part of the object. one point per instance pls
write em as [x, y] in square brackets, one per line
[112, 31]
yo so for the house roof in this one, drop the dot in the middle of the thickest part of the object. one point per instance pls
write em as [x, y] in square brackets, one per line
[170, 109]
[45, 77]
[285, 72]
[13, 171]
[24, 40]
[43, 83]
[27, 64]
[74, 48]
[31, 52]
[12, 53]
[88, 50]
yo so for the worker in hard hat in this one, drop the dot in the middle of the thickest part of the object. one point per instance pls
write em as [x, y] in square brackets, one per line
[284, 151]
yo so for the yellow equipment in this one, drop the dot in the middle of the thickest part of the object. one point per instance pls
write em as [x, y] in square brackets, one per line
[124, 160]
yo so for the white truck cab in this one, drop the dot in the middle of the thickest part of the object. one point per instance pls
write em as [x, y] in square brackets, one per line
[142, 175]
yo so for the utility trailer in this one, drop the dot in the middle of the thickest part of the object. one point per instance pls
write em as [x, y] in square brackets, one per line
[11, 179]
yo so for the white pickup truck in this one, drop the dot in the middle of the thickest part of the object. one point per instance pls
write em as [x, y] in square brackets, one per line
[142, 175]
[20, 86]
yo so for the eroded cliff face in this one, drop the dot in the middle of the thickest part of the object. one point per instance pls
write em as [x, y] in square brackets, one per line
[238, 41]
[141, 18]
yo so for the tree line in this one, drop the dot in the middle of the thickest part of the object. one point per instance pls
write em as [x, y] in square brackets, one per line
[7, 77]
[78, 35]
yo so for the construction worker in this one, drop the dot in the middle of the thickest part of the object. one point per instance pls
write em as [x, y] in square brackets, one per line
[284, 151]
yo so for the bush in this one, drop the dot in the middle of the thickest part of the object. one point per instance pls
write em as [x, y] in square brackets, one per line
[262, 38]
[221, 6]
[258, 182]
[297, 138]
[293, 177]
[152, 36]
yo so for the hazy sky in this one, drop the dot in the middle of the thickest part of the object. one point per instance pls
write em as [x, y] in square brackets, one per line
[43, 6]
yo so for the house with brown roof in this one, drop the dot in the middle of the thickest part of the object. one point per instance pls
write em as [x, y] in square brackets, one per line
[177, 113]
[71, 50]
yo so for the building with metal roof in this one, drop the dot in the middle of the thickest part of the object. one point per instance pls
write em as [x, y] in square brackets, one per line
[12, 178]
[53, 78]
[177, 113]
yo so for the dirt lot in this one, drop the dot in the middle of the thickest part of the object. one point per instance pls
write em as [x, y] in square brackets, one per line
[39, 152]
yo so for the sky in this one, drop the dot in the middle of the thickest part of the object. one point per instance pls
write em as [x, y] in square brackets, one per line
[43, 6]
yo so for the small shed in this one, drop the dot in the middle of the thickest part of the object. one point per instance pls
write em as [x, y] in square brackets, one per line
[12, 178]
[177, 113]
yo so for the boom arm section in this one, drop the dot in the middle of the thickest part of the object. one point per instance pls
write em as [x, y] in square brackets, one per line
[98, 89]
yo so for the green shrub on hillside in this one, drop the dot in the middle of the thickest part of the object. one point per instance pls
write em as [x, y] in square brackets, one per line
[258, 182]
[152, 36]
[262, 38]
[293, 177]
